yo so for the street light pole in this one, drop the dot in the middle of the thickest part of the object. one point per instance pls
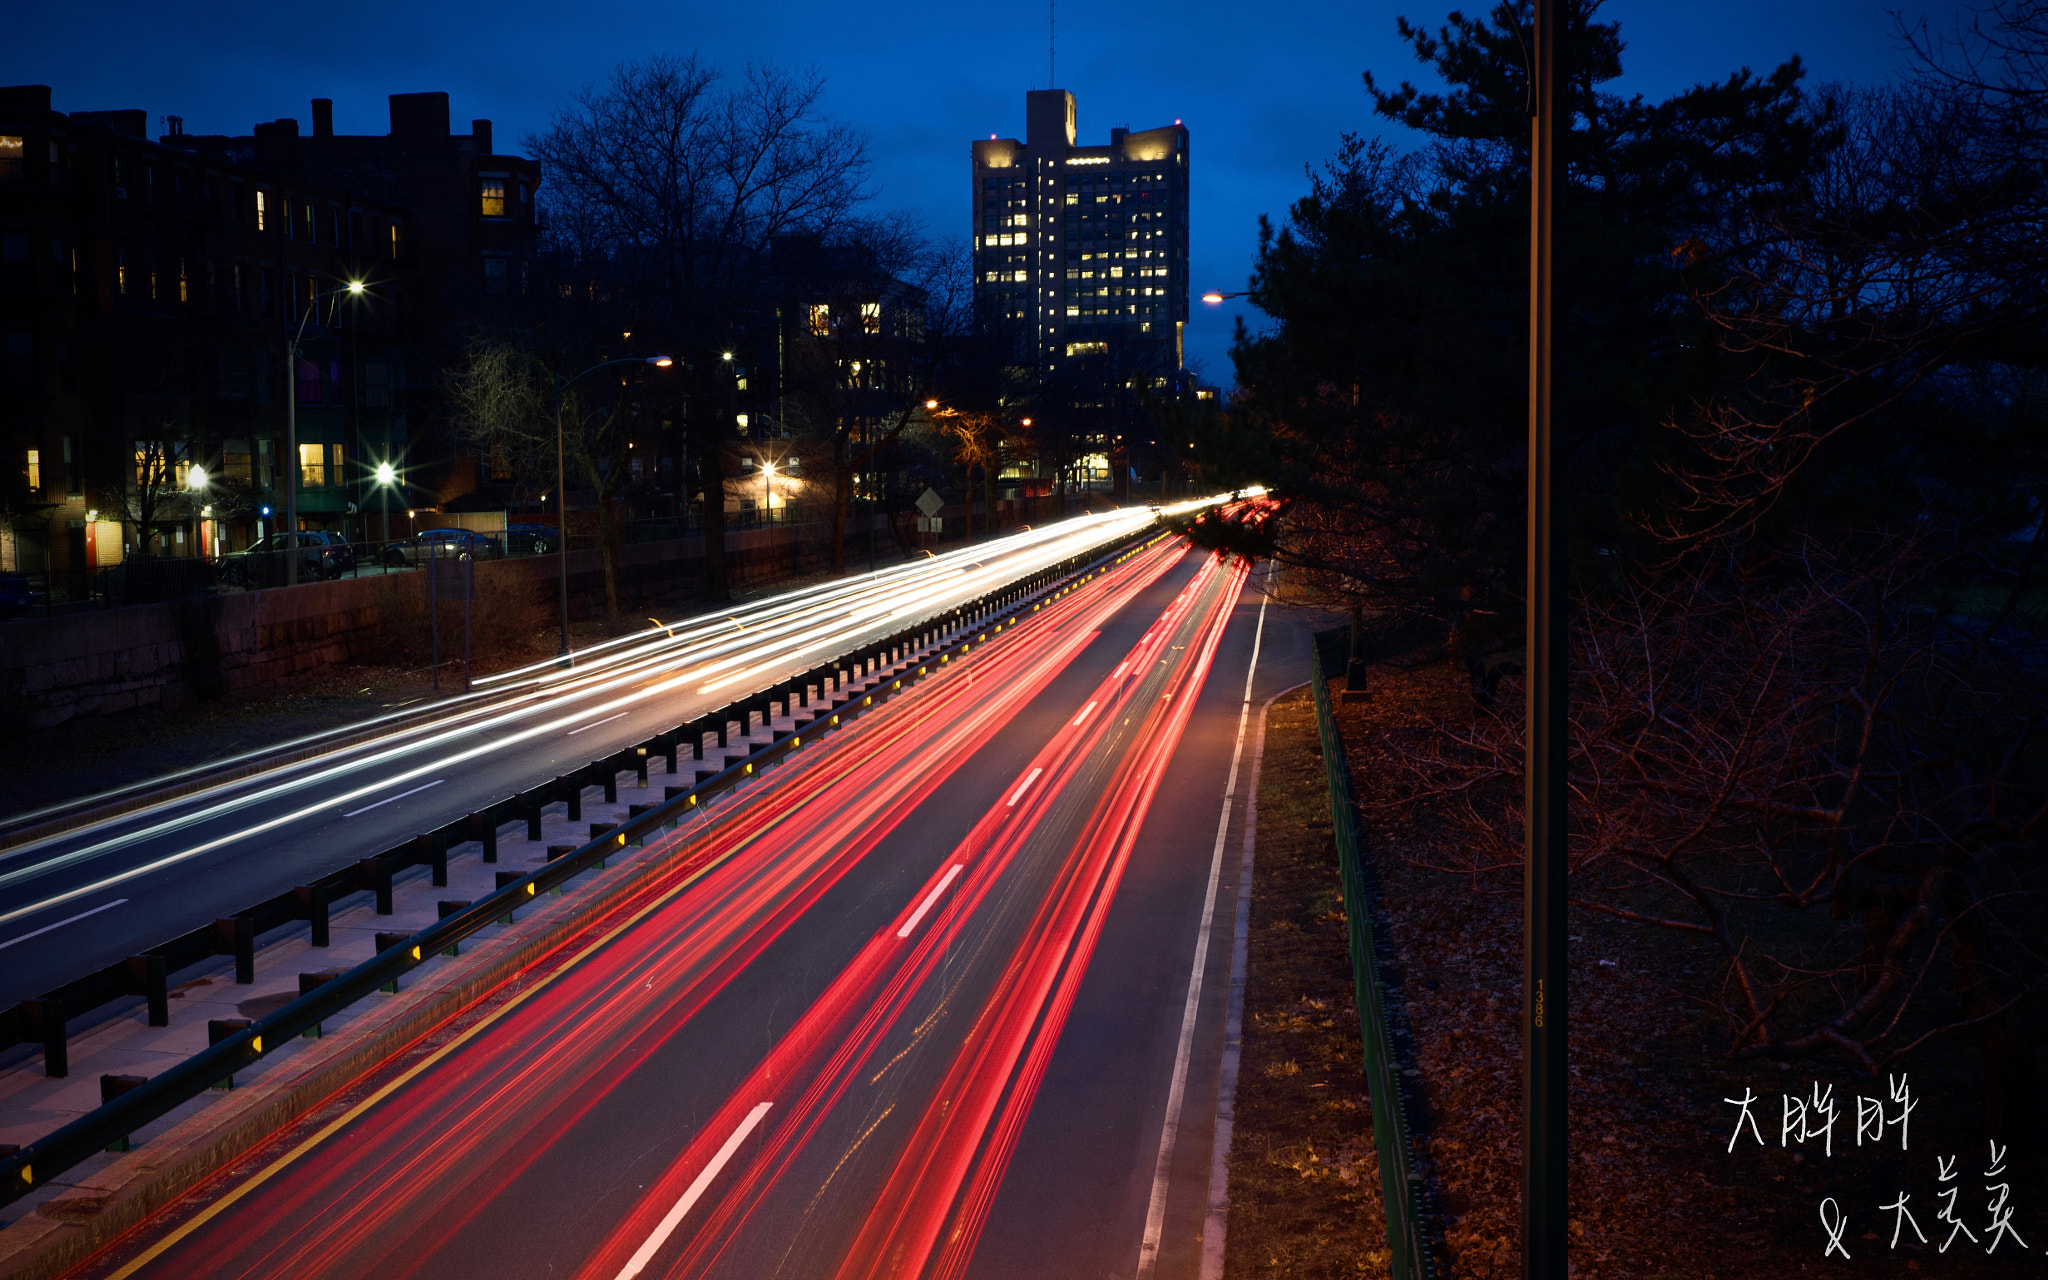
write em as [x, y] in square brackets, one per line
[1545, 798]
[562, 494]
[291, 428]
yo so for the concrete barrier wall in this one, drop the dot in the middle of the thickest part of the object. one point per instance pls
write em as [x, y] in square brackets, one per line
[102, 662]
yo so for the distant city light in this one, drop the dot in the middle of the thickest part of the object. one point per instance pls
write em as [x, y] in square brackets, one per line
[196, 478]
[385, 473]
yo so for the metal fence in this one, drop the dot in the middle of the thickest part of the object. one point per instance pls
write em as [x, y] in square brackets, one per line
[1400, 1185]
[918, 650]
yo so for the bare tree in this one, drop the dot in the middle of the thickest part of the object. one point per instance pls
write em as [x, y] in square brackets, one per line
[503, 399]
[879, 313]
[684, 183]
[1818, 767]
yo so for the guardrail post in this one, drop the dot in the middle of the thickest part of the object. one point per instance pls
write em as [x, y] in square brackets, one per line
[534, 804]
[446, 909]
[149, 976]
[45, 1018]
[505, 878]
[219, 1029]
[434, 852]
[608, 778]
[386, 941]
[375, 875]
[572, 796]
[484, 826]
[313, 909]
[640, 764]
[668, 749]
[236, 936]
[308, 981]
[112, 1087]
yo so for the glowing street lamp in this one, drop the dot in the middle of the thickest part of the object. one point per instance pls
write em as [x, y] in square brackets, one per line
[386, 478]
[1215, 296]
[767, 494]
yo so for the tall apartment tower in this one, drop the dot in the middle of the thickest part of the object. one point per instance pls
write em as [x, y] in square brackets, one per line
[1083, 251]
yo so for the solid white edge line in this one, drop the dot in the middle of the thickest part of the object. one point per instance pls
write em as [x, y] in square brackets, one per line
[952, 874]
[388, 799]
[645, 1253]
[1024, 786]
[61, 923]
[1218, 1216]
[1176, 1094]
[1084, 713]
[593, 724]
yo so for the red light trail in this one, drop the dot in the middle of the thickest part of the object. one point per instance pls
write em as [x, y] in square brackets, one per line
[900, 1087]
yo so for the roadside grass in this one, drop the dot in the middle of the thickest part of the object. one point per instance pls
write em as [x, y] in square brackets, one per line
[1304, 1182]
[1654, 1191]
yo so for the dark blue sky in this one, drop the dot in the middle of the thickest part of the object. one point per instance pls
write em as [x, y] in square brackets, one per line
[1263, 87]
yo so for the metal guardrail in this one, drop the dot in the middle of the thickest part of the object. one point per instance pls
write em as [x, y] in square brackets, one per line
[1401, 1187]
[955, 630]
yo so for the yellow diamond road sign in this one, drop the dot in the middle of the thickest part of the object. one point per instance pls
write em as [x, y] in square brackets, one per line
[930, 502]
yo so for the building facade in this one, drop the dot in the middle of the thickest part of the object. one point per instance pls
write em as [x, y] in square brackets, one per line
[150, 292]
[1082, 251]
[148, 295]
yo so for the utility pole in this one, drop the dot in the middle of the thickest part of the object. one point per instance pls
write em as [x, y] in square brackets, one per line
[1545, 797]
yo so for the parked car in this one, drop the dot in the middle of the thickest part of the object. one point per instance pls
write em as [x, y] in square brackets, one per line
[529, 539]
[442, 544]
[15, 596]
[321, 555]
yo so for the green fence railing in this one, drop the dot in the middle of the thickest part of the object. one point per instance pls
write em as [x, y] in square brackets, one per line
[1400, 1185]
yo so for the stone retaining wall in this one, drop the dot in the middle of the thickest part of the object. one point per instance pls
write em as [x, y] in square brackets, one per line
[102, 662]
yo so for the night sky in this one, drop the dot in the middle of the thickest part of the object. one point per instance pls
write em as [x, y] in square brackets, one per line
[1263, 88]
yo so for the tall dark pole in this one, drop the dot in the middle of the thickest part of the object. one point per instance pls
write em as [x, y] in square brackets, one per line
[1544, 1080]
[561, 526]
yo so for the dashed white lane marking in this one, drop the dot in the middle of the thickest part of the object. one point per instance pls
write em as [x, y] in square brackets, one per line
[1024, 786]
[645, 1253]
[1084, 713]
[388, 799]
[592, 725]
[952, 874]
[109, 906]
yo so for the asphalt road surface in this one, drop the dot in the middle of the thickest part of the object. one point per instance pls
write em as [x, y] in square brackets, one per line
[920, 1006]
[72, 903]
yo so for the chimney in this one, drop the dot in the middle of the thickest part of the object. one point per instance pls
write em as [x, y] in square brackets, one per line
[419, 115]
[481, 131]
[323, 117]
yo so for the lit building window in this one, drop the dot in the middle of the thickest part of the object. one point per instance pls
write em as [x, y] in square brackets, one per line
[313, 466]
[262, 210]
[871, 314]
[35, 470]
[12, 160]
[821, 319]
[491, 196]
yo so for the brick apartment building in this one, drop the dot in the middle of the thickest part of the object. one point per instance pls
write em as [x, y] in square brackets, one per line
[148, 290]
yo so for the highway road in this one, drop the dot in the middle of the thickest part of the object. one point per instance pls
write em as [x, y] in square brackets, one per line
[941, 999]
[74, 902]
